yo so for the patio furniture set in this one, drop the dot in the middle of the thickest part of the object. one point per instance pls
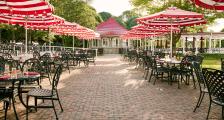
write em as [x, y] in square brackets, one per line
[187, 69]
[23, 77]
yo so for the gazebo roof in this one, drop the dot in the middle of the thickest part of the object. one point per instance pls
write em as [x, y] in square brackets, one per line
[110, 28]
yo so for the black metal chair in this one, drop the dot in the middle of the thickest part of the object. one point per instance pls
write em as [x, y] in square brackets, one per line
[46, 63]
[46, 94]
[147, 66]
[184, 70]
[5, 98]
[201, 83]
[222, 64]
[158, 70]
[91, 56]
[7, 56]
[214, 80]
[36, 54]
[7, 92]
[31, 65]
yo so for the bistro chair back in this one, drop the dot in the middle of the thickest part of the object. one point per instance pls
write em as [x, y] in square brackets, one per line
[36, 54]
[201, 82]
[214, 80]
[2, 65]
[7, 56]
[46, 94]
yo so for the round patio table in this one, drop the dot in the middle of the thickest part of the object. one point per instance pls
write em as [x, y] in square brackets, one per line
[20, 77]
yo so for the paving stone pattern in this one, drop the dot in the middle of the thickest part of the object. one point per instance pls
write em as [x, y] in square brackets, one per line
[114, 89]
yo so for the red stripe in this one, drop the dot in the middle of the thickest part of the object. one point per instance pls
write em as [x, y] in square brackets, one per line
[204, 5]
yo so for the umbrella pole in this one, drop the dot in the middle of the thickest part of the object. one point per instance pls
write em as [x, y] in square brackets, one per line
[73, 42]
[26, 45]
[171, 41]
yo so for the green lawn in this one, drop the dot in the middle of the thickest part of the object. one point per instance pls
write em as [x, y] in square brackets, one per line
[212, 61]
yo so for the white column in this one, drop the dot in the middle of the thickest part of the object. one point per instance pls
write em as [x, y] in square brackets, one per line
[210, 43]
[196, 45]
[220, 45]
[183, 46]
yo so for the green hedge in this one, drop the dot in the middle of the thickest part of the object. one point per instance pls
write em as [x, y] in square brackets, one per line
[212, 60]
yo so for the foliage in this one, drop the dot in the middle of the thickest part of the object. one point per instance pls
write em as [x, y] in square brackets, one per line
[105, 15]
[77, 11]
[212, 60]
[129, 17]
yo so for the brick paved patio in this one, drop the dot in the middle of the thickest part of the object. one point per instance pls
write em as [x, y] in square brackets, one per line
[114, 90]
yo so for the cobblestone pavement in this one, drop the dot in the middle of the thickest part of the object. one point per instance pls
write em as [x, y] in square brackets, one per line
[114, 90]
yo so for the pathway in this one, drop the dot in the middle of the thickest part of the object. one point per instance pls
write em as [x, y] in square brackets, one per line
[114, 90]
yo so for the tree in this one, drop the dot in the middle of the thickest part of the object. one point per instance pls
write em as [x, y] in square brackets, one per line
[129, 17]
[77, 11]
[105, 15]
[131, 22]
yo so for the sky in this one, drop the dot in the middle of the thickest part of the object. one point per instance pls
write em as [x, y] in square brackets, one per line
[217, 26]
[115, 7]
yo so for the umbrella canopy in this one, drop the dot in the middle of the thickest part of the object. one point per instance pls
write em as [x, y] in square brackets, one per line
[172, 17]
[210, 4]
[163, 29]
[26, 8]
[31, 22]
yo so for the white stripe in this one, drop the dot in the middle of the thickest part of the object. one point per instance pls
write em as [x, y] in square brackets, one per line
[23, 3]
[211, 2]
[31, 9]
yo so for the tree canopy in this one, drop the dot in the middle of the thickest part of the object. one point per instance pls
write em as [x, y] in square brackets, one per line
[105, 15]
[77, 11]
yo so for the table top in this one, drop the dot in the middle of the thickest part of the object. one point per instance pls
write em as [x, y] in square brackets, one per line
[172, 61]
[18, 76]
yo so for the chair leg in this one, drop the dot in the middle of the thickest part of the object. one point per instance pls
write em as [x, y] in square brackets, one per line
[155, 78]
[150, 75]
[181, 79]
[147, 73]
[27, 107]
[35, 100]
[59, 102]
[209, 109]
[14, 108]
[199, 99]
[222, 112]
[54, 109]
[6, 108]
[203, 94]
[193, 80]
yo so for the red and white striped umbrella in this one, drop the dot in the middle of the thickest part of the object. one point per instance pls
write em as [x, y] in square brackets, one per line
[163, 29]
[31, 22]
[172, 17]
[210, 4]
[26, 8]
[139, 35]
